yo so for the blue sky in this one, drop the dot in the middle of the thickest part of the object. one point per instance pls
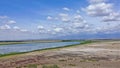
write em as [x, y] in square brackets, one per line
[43, 19]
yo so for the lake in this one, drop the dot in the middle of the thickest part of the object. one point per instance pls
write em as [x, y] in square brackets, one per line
[5, 49]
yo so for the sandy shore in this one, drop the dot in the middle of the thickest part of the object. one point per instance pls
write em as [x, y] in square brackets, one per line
[93, 55]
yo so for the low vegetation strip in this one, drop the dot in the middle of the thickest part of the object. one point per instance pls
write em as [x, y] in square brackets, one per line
[8, 43]
[50, 66]
[25, 42]
[13, 53]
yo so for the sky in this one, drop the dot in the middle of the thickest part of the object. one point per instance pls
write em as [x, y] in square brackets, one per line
[59, 19]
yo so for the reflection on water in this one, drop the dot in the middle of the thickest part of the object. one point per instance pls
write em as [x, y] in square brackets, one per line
[31, 46]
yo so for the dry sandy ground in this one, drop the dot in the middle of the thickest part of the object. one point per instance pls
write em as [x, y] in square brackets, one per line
[94, 55]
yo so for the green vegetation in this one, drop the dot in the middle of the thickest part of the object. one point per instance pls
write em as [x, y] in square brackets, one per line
[29, 66]
[12, 53]
[27, 41]
[86, 42]
[62, 60]
[50, 66]
[32, 66]
[8, 43]
[88, 60]
[72, 64]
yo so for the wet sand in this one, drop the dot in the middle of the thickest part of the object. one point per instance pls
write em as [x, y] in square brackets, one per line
[93, 55]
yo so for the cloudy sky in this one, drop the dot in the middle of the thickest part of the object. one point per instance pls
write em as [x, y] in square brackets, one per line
[59, 19]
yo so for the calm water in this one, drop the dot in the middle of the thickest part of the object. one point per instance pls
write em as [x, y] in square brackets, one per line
[32, 46]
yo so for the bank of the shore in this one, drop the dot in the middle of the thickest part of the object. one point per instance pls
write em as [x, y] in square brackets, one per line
[17, 53]
[93, 55]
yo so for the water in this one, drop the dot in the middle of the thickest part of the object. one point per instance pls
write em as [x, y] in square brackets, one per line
[32, 46]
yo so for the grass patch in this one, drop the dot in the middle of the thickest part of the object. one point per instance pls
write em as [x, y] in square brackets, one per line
[72, 64]
[9, 43]
[29, 66]
[89, 60]
[50, 66]
[32, 66]
[62, 60]
[86, 42]
[12, 53]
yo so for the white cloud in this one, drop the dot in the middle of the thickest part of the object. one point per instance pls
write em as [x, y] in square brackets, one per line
[5, 27]
[52, 18]
[64, 17]
[58, 29]
[109, 29]
[75, 24]
[9, 30]
[79, 25]
[100, 9]
[78, 18]
[6, 20]
[16, 28]
[3, 17]
[66, 9]
[40, 27]
[49, 18]
[11, 22]
[112, 17]
[23, 30]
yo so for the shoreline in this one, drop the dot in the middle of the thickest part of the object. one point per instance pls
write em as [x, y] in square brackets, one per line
[46, 49]
[17, 53]
[102, 54]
